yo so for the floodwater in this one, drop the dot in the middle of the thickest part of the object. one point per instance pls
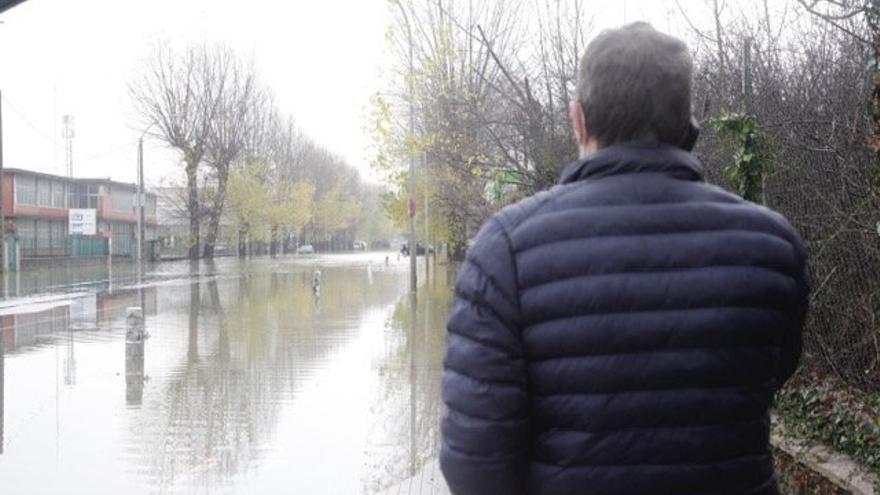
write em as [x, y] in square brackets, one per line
[248, 382]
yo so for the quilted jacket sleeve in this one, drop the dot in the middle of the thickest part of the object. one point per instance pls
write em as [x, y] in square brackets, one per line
[792, 342]
[486, 426]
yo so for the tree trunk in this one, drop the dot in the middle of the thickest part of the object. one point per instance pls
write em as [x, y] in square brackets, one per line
[192, 207]
[242, 243]
[273, 242]
[211, 236]
[216, 211]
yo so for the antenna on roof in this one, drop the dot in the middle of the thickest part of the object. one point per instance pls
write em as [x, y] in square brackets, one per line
[68, 134]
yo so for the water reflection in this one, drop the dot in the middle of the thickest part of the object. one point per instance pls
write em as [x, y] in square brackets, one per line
[134, 373]
[70, 360]
[63, 275]
[58, 321]
[248, 382]
[410, 388]
[2, 381]
[135, 342]
[248, 350]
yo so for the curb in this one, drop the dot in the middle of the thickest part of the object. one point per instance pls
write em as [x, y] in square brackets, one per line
[837, 468]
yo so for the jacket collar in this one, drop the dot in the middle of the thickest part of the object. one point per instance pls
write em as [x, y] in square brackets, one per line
[631, 158]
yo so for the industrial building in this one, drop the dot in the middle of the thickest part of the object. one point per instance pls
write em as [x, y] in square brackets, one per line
[38, 209]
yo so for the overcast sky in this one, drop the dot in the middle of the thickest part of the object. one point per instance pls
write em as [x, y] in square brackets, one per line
[323, 59]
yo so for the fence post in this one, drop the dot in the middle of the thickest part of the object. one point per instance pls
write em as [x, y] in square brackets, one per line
[747, 77]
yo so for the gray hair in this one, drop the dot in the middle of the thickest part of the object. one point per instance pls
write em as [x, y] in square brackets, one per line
[634, 84]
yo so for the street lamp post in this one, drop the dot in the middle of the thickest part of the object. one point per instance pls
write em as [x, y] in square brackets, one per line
[427, 218]
[3, 261]
[140, 197]
[411, 204]
[140, 201]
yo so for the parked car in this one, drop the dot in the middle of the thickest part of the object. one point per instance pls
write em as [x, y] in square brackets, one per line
[305, 249]
[223, 250]
[420, 249]
[360, 245]
[381, 244]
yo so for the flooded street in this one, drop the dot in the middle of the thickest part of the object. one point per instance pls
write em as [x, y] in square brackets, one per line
[248, 382]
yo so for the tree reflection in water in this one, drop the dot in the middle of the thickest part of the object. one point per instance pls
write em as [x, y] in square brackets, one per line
[410, 373]
[2, 382]
[251, 341]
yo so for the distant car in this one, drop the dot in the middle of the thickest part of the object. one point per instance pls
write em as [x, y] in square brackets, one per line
[360, 245]
[305, 249]
[420, 249]
[380, 244]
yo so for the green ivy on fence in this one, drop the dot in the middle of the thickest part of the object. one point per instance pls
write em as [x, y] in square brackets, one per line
[752, 154]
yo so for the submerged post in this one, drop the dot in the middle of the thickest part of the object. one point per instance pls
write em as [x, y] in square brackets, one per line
[135, 336]
[2, 384]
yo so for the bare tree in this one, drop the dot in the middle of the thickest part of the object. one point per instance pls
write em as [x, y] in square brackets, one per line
[176, 96]
[241, 107]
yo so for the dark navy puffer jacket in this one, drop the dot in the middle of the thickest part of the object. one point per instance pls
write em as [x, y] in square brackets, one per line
[622, 333]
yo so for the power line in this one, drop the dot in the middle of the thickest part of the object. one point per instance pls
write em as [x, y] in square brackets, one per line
[86, 156]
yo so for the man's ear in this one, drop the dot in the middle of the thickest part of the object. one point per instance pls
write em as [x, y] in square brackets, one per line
[585, 143]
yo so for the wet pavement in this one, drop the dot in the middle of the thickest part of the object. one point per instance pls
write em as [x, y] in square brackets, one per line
[248, 382]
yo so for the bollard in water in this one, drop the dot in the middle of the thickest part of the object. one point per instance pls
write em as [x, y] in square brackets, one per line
[134, 312]
[134, 323]
[316, 282]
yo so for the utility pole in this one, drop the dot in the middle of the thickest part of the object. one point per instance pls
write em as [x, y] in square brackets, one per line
[68, 134]
[411, 203]
[427, 229]
[749, 104]
[140, 202]
[2, 208]
[747, 77]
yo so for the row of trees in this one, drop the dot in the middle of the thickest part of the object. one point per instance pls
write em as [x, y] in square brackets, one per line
[800, 77]
[248, 168]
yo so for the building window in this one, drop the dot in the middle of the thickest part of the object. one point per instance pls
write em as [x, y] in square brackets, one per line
[44, 192]
[59, 195]
[78, 195]
[123, 201]
[59, 236]
[43, 237]
[93, 192]
[25, 190]
[84, 195]
[24, 227]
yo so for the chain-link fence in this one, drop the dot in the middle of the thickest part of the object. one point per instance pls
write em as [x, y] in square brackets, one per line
[824, 189]
[832, 208]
